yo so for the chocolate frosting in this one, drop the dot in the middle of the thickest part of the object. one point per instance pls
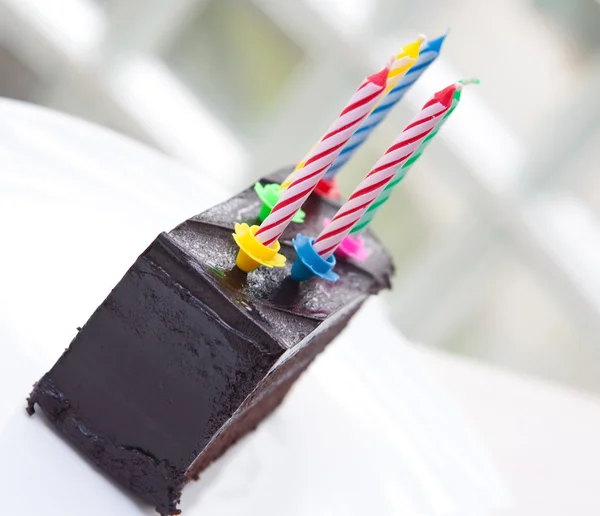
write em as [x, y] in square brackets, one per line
[207, 238]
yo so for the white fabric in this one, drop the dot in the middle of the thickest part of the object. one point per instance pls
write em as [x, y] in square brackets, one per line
[359, 434]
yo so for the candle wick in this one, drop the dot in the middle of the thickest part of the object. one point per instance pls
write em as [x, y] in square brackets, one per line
[470, 80]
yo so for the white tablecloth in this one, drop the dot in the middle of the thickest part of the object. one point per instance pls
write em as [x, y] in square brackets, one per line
[542, 438]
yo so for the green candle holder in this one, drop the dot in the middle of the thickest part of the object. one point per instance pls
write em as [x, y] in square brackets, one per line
[269, 195]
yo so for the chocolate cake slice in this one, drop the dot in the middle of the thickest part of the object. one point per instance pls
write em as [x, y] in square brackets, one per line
[187, 354]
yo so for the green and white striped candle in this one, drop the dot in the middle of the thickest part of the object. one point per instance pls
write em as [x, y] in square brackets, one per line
[387, 192]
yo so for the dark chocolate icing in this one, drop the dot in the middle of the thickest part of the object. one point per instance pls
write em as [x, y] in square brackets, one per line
[187, 353]
[206, 236]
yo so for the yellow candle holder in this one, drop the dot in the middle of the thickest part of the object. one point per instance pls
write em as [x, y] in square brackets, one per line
[253, 253]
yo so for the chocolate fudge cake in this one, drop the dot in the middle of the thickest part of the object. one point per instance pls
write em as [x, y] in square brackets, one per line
[187, 354]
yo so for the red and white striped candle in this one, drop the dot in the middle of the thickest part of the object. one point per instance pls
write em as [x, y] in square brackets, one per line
[321, 157]
[383, 171]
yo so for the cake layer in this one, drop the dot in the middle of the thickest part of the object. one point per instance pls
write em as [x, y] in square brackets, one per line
[270, 391]
[154, 374]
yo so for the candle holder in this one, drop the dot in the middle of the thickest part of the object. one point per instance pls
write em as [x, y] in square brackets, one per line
[310, 263]
[254, 253]
[328, 188]
[351, 247]
[269, 195]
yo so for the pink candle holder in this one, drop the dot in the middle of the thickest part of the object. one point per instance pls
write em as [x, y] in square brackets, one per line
[351, 247]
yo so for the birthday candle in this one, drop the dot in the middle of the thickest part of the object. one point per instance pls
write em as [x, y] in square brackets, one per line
[427, 55]
[402, 62]
[321, 158]
[387, 191]
[383, 171]
[399, 65]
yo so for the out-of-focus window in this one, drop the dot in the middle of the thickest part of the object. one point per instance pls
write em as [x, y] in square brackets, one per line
[235, 58]
[20, 82]
[495, 231]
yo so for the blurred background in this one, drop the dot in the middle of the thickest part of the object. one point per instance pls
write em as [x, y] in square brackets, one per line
[496, 231]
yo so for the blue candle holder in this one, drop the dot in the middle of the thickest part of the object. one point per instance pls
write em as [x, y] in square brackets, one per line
[309, 263]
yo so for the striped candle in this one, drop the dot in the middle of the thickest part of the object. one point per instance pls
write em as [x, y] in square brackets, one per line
[401, 173]
[399, 65]
[321, 158]
[383, 171]
[427, 55]
[402, 62]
